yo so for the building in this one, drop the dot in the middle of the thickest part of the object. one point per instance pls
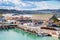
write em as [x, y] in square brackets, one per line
[33, 19]
[45, 18]
[37, 23]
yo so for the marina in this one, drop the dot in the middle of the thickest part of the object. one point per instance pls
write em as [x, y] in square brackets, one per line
[38, 24]
[29, 19]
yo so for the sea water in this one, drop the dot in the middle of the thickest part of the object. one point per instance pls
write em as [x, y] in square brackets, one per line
[17, 34]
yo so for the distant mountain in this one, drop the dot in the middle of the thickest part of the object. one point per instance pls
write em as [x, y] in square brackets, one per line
[49, 11]
[30, 11]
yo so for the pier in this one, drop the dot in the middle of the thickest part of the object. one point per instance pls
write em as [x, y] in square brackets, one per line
[39, 24]
[7, 26]
[39, 31]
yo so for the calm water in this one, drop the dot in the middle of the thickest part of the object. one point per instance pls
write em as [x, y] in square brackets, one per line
[15, 34]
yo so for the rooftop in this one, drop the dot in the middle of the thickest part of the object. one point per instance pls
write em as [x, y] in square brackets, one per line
[42, 16]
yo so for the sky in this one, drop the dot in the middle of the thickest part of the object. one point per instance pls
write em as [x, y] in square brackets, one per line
[29, 4]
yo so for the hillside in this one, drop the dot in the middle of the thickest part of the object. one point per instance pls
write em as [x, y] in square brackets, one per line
[49, 11]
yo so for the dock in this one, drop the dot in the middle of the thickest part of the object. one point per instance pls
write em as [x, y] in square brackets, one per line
[39, 31]
[35, 23]
[7, 26]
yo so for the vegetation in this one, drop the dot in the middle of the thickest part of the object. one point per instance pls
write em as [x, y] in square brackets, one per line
[56, 21]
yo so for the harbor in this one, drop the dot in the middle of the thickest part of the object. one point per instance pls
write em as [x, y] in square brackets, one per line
[38, 24]
[29, 19]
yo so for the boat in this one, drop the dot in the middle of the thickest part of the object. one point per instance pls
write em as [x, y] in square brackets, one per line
[43, 34]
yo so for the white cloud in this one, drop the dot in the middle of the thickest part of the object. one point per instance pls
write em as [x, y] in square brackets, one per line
[20, 5]
[45, 5]
[41, 5]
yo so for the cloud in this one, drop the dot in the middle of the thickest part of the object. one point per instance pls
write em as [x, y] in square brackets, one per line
[29, 5]
[47, 5]
[15, 4]
[40, 0]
